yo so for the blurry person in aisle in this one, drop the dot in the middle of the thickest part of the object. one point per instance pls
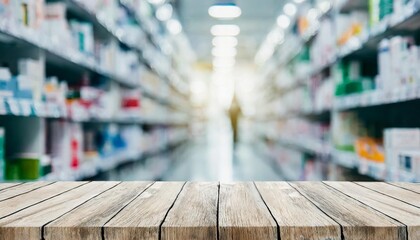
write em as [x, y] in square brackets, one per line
[234, 114]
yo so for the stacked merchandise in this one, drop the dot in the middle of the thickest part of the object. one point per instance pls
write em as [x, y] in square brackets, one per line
[323, 48]
[349, 78]
[398, 61]
[402, 147]
[296, 165]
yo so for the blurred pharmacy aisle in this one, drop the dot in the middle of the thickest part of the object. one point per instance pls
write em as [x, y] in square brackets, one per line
[207, 157]
[155, 89]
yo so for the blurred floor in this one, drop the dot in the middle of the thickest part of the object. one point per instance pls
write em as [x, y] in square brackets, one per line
[208, 157]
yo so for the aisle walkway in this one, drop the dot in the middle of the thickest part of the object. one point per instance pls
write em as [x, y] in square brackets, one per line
[209, 157]
[213, 161]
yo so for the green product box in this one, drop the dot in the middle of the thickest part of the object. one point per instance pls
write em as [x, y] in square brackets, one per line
[23, 167]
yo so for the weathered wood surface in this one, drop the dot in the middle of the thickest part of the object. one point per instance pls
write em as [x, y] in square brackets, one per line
[194, 214]
[209, 210]
[142, 219]
[243, 214]
[358, 220]
[297, 217]
[405, 213]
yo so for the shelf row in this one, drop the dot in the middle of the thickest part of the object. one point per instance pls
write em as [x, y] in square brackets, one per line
[371, 98]
[28, 108]
[97, 165]
[74, 59]
[366, 42]
[343, 158]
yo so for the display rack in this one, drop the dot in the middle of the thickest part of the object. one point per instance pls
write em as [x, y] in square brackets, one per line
[164, 86]
[362, 47]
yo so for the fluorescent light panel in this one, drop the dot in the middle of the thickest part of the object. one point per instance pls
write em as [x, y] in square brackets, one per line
[226, 41]
[223, 52]
[174, 26]
[225, 30]
[225, 11]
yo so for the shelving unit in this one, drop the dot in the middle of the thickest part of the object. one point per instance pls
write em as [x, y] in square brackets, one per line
[377, 106]
[153, 91]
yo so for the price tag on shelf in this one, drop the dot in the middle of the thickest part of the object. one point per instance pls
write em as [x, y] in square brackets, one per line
[3, 107]
[364, 99]
[411, 92]
[39, 109]
[395, 95]
[26, 107]
[13, 106]
[404, 93]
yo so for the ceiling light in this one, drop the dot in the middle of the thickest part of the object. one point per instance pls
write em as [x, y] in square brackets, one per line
[174, 26]
[283, 21]
[225, 11]
[156, 2]
[223, 52]
[275, 37]
[299, 1]
[225, 30]
[164, 13]
[313, 14]
[324, 6]
[290, 9]
[225, 41]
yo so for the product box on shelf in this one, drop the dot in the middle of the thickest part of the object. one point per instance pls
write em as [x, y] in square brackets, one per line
[409, 166]
[395, 141]
[2, 159]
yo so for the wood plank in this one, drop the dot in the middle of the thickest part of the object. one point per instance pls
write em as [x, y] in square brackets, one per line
[415, 187]
[10, 206]
[21, 189]
[8, 185]
[297, 217]
[86, 221]
[393, 191]
[142, 218]
[194, 214]
[28, 223]
[243, 214]
[358, 221]
[405, 213]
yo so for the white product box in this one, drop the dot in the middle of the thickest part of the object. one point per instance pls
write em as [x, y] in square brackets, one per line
[395, 141]
[409, 166]
[406, 138]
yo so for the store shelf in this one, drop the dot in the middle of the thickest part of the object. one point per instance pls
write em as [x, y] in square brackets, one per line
[304, 143]
[350, 5]
[55, 53]
[97, 165]
[377, 98]
[367, 43]
[365, 167]
[28, 108]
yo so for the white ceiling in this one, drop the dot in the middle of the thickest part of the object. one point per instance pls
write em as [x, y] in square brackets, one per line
[258, 17]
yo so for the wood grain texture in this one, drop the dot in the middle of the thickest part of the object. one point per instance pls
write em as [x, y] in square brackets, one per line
[297, 217]
[27, 224]
[403, 212]
[21, 189]
[8, 185]
[393, 191]
[142, 218]
[86, 222]
[10, 206]
[415, 187]
[243, 214]
[194, 214]
[358, 221]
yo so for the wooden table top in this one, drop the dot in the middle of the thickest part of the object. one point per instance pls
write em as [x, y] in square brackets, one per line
[209, 210]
